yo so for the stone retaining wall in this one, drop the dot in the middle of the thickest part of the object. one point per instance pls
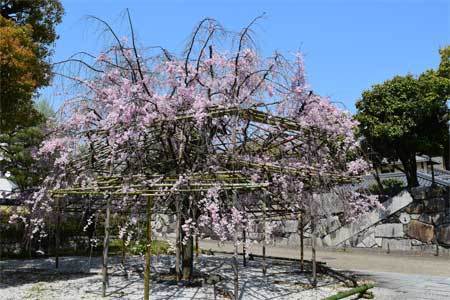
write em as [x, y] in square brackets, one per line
[418, 220]
[421, 226]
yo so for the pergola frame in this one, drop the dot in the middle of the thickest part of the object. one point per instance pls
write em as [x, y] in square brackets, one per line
[162, 185]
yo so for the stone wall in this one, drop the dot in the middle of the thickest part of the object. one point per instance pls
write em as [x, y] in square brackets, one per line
[418, 220]
[420, 224]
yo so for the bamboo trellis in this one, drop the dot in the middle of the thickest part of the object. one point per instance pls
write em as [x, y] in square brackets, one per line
[231, 177]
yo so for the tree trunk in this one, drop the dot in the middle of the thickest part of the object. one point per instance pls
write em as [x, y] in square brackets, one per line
[376, 175]
[188, 258]
[446, 154]
[410, 166]
[187, 249]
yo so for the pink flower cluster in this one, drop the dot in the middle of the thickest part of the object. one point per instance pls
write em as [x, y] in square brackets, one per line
[151, 115]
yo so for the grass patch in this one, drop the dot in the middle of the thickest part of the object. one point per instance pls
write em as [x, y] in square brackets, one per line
[35, 292]
[158, 247]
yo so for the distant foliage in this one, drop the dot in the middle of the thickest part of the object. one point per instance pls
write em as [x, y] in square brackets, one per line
[20, 75]
[405, 116]
[391, 187]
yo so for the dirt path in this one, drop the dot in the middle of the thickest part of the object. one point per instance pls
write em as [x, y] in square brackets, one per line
[359, 260]
[397, 276]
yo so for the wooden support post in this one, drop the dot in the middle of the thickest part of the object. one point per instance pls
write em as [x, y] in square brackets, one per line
[1, 243]
[235, 255]
[105, 247]
[57, 232]
[300, 227]
[244, 251]
[122, 260]
[197, 249]
[178, 242]
[313, 253]
[148, 255]
[236, 270]
[30, 247]
[264, 264]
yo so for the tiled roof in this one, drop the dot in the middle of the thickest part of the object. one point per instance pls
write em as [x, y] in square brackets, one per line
[441, 178]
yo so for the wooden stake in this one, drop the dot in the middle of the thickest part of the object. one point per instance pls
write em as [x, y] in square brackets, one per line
[105, 247]
[148, 255]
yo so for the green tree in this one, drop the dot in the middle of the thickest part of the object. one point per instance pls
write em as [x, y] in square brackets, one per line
[27, 33]
[19, 76]
[18, 148]
[45, 109]
[444, 72]
[444, 66]
[41, 15]
[405, 116]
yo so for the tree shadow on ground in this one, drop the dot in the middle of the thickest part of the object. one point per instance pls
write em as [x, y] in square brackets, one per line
[10, 278]
[283, 280]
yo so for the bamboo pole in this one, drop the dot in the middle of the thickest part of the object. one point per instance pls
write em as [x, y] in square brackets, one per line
[357, 290]
[57, 232]
[122, 260]
[244, 251]
[105, 247]
[1, 243]
[93, 192]
[264, 263]
[235, 267]
[148, 255]
[300, 225]
[313, 253]
[178, 242]
[235, 254]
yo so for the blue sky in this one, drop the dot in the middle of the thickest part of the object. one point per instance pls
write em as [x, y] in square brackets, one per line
[348, 45]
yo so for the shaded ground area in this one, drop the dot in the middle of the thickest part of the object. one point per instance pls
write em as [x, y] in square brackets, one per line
[397, 276]
[37, 279]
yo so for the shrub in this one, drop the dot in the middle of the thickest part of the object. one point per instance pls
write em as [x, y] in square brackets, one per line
[391, 187]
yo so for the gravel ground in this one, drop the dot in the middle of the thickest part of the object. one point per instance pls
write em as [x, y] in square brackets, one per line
[38, 279]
